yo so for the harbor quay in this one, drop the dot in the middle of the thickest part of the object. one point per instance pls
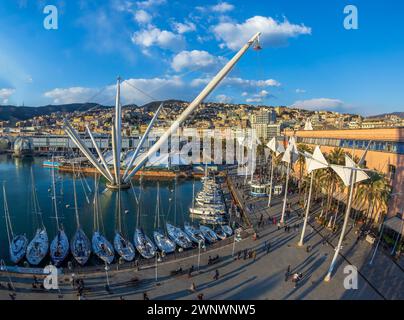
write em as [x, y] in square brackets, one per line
[259, 266]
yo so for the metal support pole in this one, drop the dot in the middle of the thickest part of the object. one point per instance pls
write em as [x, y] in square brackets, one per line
[342, 236]
[285, 198]
[301, 242]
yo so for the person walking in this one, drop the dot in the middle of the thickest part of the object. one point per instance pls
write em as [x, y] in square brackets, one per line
[193, 287]
[200, 296]
[268, 247]
[216, 276]
[145, 296]
[254, 255]
[245, 254]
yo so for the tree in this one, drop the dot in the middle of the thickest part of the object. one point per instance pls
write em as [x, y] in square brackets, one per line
[301, 162]
[375, 194]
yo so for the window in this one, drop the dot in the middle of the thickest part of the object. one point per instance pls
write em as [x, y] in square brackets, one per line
[392, 171]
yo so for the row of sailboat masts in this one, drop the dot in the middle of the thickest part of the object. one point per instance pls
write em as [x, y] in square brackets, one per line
[116, 181]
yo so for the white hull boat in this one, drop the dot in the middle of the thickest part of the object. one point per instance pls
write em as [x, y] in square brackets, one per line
[206, 211]
[178, 236]
[124, 247]
[164, 243]
[195, 234]
[38, 248]
[211, 219]
[209, 234]
[220, 232]
[80, 247]
[59, 248]
[102, 248]
[18, 248]
[144, 245]
[227, 229]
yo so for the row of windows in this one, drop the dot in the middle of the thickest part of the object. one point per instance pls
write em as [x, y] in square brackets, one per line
[384, 146]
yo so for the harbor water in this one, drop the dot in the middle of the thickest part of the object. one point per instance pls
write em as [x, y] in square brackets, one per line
[175, 199]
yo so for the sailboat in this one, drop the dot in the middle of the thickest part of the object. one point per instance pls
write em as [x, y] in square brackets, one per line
[227, 229]
[220, 232]
[80, 244]
[122, 246]
[164, 243]
[102, 248]
[142, 242]
[195, 234]
[38, 248]
[178, 236]
[208, 233]
[59, 248]
[17, 243]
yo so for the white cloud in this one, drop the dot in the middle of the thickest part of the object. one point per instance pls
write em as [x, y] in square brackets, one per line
[149, 3]
[134, 90]
[318, 103]
[274, 33]
[222, 98]
[184, 27]
[70, 95]
[252, 100]
[5, 94]
[142, 17]
[195, 58]
[239, 82]
[244, 94]
[263, 93]
[300, 91]
[222, 7]
[268, 83]
[153, 36]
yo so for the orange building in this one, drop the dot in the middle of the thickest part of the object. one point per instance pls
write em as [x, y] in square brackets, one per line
[385, 154]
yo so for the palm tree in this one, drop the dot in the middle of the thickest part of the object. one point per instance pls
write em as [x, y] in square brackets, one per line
[301, 162]
[375, 194]
[329, 177]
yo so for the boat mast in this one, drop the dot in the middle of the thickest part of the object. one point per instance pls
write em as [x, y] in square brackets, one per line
[9, 227]
[75, 199]
[35, 201]
[54, 195]
[95, 204]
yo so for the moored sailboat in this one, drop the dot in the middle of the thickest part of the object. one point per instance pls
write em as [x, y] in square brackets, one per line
[195, 234]
[17, 243]
[227, 229]
[220, 232]
[209, 234]
[143, 244]
[80, 244]
[178, 236]
[165, 244]
[59, 248]
[102, 248]
[123, 247]
[38, 247]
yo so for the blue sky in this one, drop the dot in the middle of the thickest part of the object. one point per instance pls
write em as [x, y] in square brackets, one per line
[169, 49]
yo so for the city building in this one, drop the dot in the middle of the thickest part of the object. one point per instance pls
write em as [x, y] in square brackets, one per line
[385, 154]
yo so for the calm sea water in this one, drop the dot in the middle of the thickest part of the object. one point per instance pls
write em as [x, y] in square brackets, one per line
[16, 173]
